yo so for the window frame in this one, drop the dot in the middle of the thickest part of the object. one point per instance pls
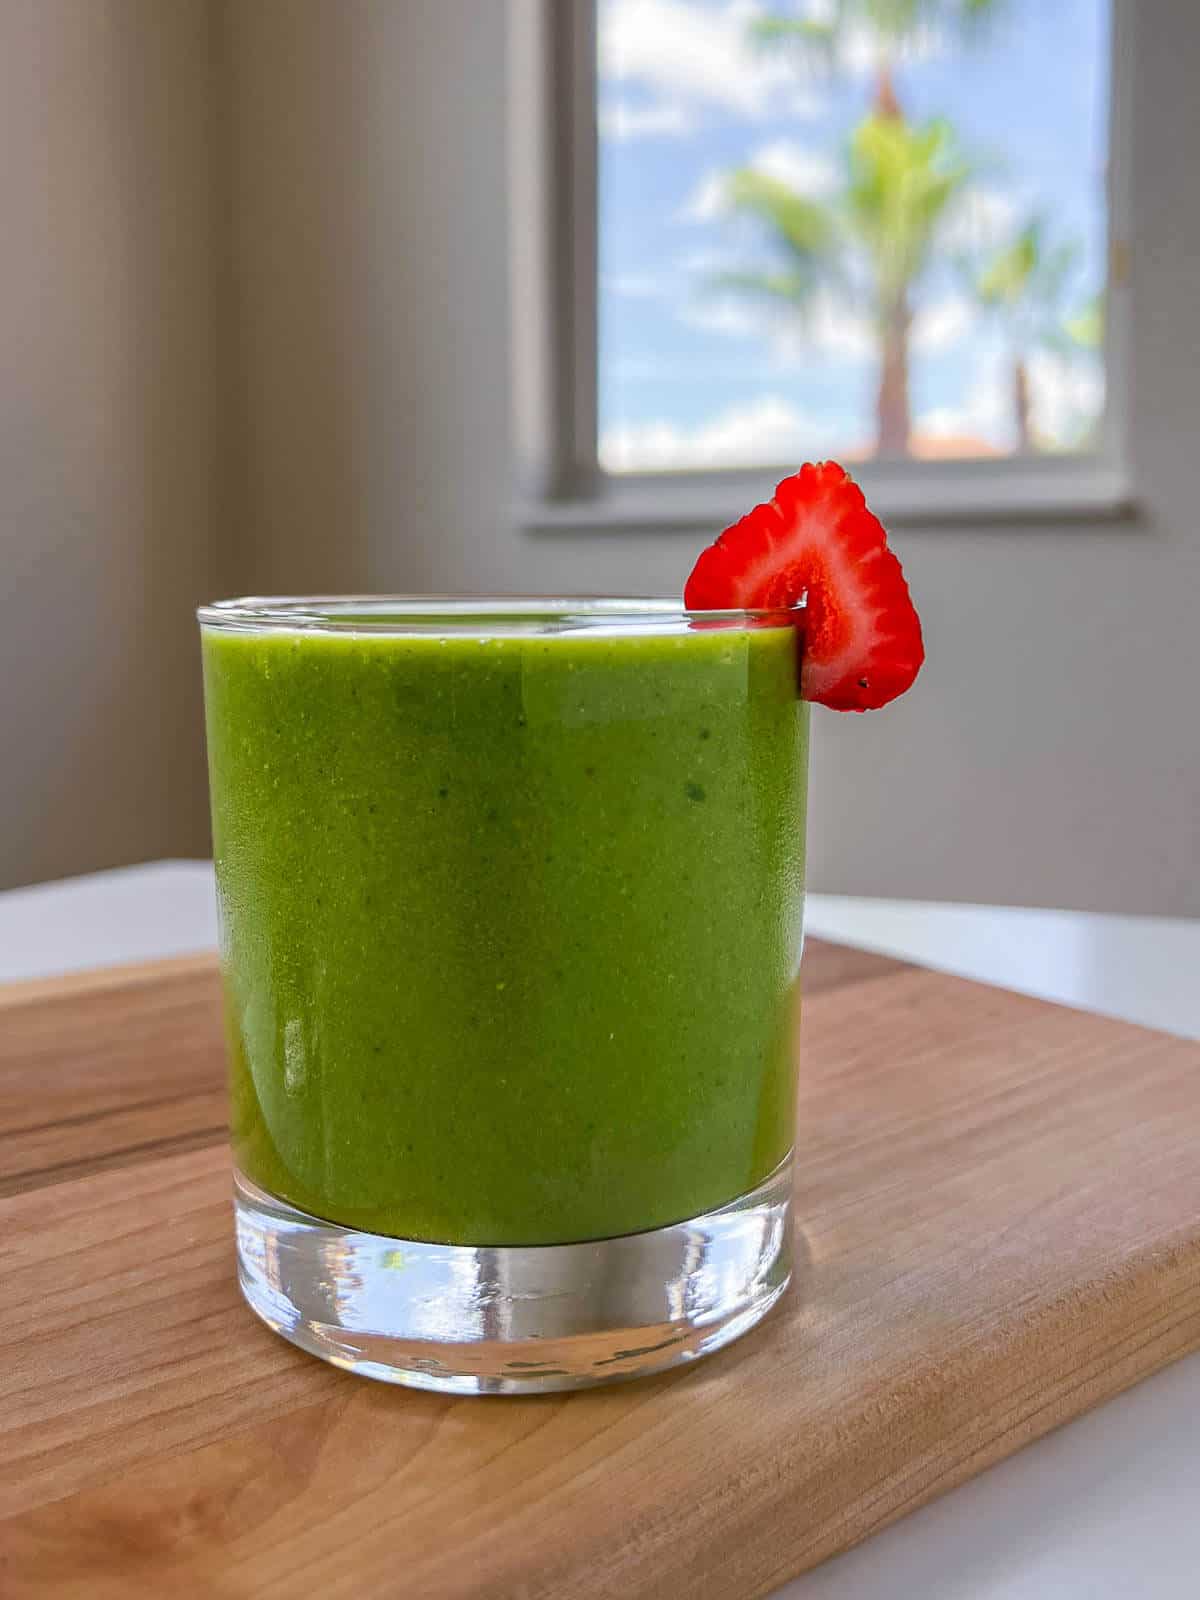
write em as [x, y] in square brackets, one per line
[554, 278]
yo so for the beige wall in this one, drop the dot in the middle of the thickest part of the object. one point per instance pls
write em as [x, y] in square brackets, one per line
[1050, 754]
[106, 428]
[369, 219]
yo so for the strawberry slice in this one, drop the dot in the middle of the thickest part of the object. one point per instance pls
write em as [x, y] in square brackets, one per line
[816, 541]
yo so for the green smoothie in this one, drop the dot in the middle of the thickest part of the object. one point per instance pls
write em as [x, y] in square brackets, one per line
[510, 916]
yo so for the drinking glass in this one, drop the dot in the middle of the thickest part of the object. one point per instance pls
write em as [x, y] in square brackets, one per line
[510, 900]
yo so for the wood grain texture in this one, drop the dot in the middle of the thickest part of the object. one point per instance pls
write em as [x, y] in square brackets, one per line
[102, 1068]
[1001, 1210]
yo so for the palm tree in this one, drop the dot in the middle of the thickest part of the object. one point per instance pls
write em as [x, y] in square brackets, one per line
[1023, 284]
[1086, 328]
[875, 236]
[804, 234]
[891, 24]
[903, 181]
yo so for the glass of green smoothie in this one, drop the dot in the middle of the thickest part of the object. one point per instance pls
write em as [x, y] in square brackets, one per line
[510, 901]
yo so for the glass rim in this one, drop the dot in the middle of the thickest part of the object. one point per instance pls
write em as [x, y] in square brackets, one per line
[408, 614]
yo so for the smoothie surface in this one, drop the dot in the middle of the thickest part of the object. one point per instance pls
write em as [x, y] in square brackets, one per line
[510, 921]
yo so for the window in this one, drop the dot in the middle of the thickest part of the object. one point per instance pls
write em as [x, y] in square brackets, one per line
[873, 229]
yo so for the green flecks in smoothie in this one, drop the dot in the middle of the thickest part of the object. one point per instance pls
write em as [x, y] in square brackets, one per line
[490, 977]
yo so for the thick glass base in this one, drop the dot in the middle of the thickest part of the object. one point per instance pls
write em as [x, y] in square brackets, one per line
[514, 1319]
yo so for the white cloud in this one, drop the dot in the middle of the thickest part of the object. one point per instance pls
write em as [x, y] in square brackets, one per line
[984, 218]
[1067, 395]
[810, 172]
[985, 416]
[858, 47]
[859, 53]
[708, 200]
[768, 432]
[705, 261]
[942, 325]
[634, 285]
[700, 56]
[617, 119]
[690, 374]
[833, 328]
[726, 314]
[635, 369]
[826, 327]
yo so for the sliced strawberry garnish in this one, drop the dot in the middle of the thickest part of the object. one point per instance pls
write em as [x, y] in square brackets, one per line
[817, 542]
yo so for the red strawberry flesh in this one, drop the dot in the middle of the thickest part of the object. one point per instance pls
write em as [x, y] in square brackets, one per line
[817, 542]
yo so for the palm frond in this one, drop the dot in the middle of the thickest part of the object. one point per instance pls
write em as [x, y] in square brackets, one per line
[1025, 281]
[791, 289]
[893, 22]
[805, 32]
[903, 181]
[805, 228]
[1086, 328]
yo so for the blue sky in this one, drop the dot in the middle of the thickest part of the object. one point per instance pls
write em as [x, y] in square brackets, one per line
[689, 375]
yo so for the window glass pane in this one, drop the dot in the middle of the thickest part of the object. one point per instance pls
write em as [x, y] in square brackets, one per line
[850, 227]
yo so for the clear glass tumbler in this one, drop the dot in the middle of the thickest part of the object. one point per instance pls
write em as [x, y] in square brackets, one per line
[510, 899]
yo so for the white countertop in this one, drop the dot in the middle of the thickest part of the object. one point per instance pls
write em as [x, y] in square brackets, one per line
[1104, 1509]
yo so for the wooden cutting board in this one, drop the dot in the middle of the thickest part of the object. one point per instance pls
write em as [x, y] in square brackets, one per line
[1001, 1211]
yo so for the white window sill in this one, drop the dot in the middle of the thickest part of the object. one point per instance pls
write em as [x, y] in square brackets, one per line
[1050, 490]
